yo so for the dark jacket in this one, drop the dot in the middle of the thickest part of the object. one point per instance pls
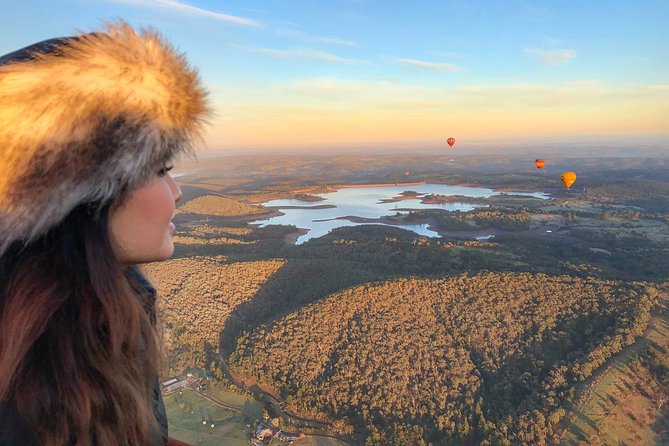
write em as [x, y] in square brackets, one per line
[13, 432]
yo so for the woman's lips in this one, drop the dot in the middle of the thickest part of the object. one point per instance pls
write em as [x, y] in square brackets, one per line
[172, 227]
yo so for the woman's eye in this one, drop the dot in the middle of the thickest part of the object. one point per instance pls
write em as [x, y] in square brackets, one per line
[164, 170]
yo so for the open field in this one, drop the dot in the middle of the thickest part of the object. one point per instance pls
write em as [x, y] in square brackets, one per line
[252, 408]
[187, 411]
[624, 403]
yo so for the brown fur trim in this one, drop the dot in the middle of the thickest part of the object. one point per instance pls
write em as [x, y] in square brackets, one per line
[88, 121]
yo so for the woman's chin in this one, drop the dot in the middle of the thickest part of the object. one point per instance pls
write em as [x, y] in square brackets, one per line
[169, 250]
[165, 253]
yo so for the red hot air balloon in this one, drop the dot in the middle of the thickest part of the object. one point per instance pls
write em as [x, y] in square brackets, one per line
[540, 164]
[450, 141]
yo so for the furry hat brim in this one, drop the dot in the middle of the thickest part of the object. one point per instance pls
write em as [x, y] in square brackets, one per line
[89, 120]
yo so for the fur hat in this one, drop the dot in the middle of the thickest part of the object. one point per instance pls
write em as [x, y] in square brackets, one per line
[88, 118]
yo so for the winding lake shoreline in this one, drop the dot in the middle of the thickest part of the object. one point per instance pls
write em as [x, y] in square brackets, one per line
[360, 204]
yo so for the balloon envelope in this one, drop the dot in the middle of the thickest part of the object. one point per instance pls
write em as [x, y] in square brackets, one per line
[568, 178]
[540, 164]
[450, 141]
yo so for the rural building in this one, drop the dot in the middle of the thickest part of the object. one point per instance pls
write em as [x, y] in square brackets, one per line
[288, 436]
[263, 432]
[168, 382]
[177, 385]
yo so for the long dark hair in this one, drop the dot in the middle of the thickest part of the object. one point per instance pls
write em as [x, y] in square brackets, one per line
[79, 346]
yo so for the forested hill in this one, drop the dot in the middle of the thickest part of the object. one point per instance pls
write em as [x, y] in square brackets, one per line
[483, 359]
[218, 205]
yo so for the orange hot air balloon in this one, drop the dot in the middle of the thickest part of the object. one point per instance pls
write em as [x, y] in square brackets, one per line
[568, 178]
[450, 141]
[539, 163]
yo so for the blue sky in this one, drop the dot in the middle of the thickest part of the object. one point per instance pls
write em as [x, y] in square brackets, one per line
[319, 73]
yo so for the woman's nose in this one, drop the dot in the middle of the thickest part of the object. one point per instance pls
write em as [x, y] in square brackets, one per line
[176, 190]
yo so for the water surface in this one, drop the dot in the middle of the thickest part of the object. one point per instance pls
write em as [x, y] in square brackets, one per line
[365, 202]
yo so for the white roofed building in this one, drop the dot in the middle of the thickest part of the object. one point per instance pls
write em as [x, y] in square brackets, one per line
[169, 381]
[176, 386]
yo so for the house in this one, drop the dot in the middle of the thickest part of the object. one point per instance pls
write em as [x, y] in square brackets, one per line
[263, 432]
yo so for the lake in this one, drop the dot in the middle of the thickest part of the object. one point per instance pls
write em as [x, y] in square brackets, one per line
[366, 202]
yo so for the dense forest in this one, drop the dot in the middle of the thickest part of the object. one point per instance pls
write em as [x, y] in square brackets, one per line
[196, 296]
[498, 217]
[651, 195]
[485, 359]
[219, 205]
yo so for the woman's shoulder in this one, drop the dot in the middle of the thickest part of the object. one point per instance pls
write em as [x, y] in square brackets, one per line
[145, 291]
[142, 281]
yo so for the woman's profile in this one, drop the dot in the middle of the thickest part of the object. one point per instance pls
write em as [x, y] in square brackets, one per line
[89, 127]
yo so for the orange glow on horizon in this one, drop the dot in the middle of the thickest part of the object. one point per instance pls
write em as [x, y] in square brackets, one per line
[302, 128]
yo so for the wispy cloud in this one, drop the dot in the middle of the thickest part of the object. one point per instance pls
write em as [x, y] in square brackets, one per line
[434, 66]
[326, 86]
[551, 57]
[279, 54]
[585, 98]
[324, 56]
[448, 54]
[190, 9]
[537, 94]
[659, 87]
[586, 95]
[302, 53]
[388, 95]
[313, 38]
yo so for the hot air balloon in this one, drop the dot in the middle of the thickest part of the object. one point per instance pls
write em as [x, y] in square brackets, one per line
[568, 178]
[450, 141]
[539, 163]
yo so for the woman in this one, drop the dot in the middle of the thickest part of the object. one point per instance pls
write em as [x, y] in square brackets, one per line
[89, 126]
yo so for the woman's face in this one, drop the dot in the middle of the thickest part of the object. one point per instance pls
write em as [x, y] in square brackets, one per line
[141, 227]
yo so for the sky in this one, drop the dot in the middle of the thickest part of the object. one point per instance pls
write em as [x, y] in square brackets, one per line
[317, 75]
